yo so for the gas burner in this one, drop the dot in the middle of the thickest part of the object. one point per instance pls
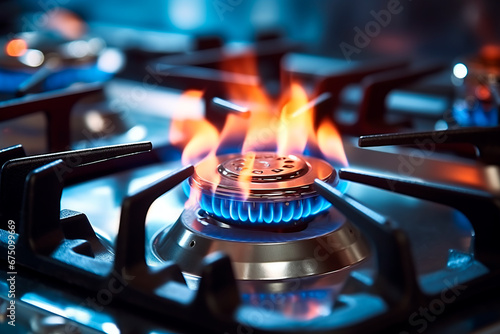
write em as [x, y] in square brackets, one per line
[262, 254]
[262, 190]
[279, 193]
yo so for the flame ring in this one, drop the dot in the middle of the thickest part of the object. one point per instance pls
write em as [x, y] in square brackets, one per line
[288, 213]
[287, 200]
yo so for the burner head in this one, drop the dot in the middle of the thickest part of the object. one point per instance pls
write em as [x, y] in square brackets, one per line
[330, 245]
[269, 190]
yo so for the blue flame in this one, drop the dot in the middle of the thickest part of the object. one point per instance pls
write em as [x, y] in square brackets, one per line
[255, 298]
[264, 213]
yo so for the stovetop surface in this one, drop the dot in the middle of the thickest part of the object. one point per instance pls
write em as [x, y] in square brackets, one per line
[440, 237]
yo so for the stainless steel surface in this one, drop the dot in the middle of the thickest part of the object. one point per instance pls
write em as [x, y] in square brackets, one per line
[50, 324]
[329, 243]
[424, 162]
[100, 199]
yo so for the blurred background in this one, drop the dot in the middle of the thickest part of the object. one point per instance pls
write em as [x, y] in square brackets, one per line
[429, 28]
[147, 53]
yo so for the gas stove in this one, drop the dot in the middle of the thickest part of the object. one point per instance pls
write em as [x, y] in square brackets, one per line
[248, 189]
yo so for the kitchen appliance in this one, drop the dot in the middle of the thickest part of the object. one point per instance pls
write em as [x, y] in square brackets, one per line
[139, 205]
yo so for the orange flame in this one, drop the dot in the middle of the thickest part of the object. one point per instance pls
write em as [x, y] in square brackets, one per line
[296, 123]
[255, 132]
[330, 143]
[288, 131]
[245, 177]
[198, 136]
[284, 125]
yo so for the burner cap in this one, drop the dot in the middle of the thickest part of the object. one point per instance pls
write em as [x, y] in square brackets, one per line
[269, 190]
[265, 167]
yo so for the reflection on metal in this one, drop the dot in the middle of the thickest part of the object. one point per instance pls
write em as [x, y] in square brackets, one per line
[328, 244]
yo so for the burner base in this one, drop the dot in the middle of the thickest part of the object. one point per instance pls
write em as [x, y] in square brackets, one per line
[327, 244]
